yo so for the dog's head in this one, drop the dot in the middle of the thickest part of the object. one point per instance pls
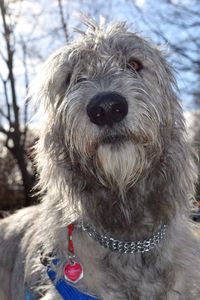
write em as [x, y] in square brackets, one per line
[113, 115]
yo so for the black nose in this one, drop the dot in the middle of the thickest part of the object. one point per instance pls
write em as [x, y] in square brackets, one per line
[107, 108]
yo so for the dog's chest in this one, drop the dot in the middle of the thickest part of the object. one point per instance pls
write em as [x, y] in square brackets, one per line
[112, 276]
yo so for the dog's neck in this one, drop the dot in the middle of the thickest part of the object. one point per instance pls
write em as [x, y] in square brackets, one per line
[144, 207]
[135, 216]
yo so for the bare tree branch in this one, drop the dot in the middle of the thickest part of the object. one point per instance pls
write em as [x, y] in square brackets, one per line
[3, 114]
[26, 79]
[7, 101]
[15, 135]
[2, 56]
[64, 25]
[7, 36]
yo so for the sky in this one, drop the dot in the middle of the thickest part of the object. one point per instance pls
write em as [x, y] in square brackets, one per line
[38, 25]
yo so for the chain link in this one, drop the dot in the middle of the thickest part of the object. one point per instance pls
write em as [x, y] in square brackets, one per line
[125, 246]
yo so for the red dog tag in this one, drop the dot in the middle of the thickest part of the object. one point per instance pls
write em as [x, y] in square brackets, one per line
[73, 271]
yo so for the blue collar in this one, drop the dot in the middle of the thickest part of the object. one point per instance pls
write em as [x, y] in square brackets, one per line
[67, 291]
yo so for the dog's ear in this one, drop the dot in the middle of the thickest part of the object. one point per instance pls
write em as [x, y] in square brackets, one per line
[51, 83]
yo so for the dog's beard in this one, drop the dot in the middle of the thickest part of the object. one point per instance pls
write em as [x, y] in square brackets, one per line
[117, 161]
[120, 166]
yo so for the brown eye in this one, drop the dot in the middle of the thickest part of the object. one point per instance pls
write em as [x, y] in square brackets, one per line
[134, 64]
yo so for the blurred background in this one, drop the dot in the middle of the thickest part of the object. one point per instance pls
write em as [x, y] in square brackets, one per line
[30, 30]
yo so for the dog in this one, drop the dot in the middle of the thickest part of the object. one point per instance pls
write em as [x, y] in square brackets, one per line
[116, 174]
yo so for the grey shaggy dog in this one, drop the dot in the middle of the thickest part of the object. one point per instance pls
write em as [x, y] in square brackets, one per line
[112, 153]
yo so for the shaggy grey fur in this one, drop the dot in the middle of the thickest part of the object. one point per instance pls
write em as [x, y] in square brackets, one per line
[126, 188]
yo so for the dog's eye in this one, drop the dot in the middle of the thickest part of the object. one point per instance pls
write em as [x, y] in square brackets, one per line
[134, 64]
[80, 79]
[68, 78]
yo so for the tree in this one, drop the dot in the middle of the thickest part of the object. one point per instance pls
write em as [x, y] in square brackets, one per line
[176, 23]
[13, 118]
[31, 30]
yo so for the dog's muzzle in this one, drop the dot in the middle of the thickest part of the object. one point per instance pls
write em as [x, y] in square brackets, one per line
[107, 108]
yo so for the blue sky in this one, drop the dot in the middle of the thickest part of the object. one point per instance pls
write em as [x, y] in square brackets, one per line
[38, 25]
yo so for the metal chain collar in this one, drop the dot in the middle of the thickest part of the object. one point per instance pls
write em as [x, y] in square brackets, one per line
[125, 246]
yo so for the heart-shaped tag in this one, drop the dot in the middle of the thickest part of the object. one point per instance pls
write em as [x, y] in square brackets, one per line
[73, 271]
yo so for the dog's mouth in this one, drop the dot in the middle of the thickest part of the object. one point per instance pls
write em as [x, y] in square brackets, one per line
[119, 139]
[115, 139]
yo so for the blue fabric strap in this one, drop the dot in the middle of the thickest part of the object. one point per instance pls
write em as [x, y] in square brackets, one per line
[67, 291]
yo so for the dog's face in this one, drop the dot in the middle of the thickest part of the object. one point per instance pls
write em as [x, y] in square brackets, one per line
[109, 98]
